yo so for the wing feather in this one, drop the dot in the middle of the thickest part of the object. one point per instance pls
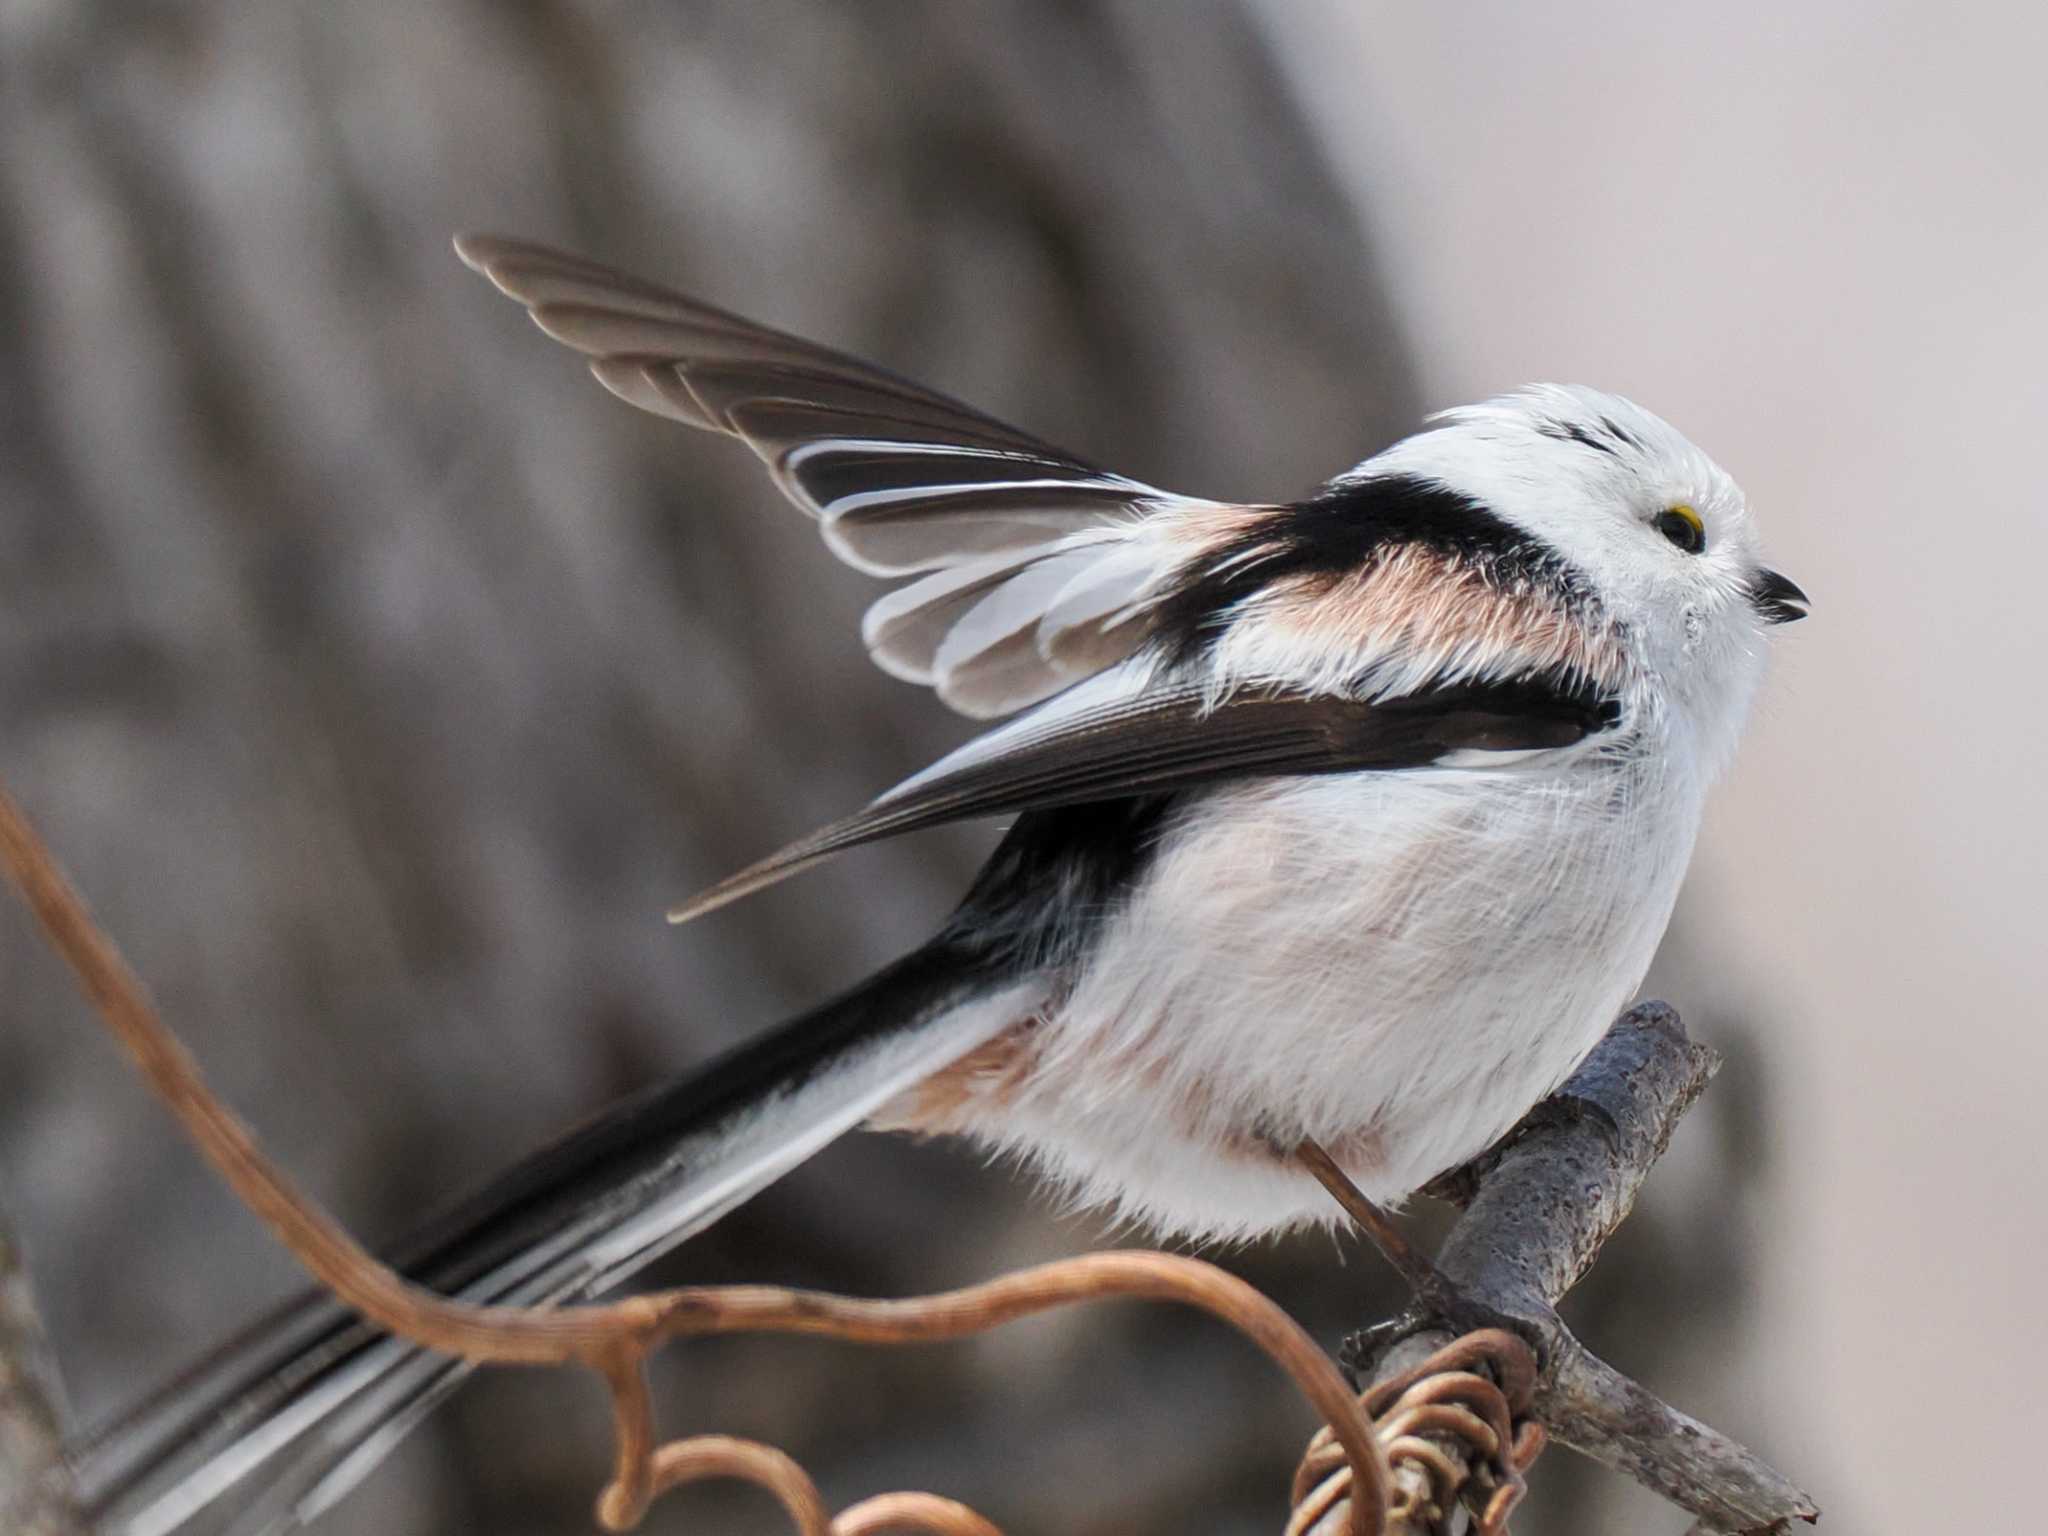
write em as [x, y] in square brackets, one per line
[1124, 733]
[1015, 607]
[903, 480]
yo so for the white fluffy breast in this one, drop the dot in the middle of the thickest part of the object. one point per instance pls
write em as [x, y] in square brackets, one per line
[1398, 965]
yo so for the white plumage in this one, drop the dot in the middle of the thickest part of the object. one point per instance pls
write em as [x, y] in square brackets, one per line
[1399, 965]
[1397, 972]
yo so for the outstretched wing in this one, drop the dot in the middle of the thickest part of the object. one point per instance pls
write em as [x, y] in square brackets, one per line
[1031, 560]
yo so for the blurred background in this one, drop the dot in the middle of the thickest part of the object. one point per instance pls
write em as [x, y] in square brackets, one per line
[381, 678]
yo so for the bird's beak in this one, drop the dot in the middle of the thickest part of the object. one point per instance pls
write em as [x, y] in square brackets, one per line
[1777, 598]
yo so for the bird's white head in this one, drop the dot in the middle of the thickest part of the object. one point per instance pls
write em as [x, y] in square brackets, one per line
[1659, 535]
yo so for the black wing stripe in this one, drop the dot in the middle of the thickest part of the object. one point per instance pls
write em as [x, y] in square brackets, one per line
[830, 473]
[1160, 742]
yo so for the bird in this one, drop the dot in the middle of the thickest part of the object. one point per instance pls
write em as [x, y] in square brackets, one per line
[1347, 822]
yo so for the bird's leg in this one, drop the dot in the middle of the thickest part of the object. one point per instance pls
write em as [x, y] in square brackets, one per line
[1410, 1262]
[1437, 1300]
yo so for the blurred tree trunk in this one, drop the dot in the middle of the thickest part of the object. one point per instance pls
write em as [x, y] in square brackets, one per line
[35, 1486]
[382, 679]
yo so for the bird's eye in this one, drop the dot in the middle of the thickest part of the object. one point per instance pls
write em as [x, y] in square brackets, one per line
[1682, 526]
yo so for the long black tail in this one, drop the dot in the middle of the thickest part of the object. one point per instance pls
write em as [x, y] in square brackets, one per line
[272, 1428]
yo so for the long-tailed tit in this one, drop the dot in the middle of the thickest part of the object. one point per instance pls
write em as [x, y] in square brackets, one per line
[1349, 821]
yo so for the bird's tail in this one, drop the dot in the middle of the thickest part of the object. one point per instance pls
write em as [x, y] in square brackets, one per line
[272, 1428]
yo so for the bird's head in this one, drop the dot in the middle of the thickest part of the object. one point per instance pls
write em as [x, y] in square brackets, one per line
[1636, 518]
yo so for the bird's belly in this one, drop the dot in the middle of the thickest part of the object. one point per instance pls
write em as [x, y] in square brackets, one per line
[1396, 966]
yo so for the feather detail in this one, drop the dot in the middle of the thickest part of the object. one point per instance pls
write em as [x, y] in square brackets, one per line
[904, 629]
[1380, 587]
[1414, 619]
[979, 633]
[1106, 593]
[989, 663]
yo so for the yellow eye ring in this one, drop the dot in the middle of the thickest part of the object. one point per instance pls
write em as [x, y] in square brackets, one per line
[1682, 526]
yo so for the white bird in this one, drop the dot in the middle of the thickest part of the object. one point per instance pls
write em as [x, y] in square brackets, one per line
[1350, 821]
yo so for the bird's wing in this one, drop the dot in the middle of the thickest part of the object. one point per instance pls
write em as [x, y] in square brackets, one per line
[1123, 734]
[1029, 560]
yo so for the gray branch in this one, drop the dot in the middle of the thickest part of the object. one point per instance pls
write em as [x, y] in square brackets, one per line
[1538, 1209]
[35, 1482]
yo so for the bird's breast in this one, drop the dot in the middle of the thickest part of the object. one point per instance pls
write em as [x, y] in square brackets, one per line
[1398, 965]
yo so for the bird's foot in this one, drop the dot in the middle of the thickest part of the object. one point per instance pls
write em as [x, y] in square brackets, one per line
[1437, 1307]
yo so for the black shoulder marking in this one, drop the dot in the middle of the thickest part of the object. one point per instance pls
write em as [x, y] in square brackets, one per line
[1054, 878]
[1346, 527]
[1549, 710]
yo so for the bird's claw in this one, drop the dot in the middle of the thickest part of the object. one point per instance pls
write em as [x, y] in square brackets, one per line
[1437, 1307]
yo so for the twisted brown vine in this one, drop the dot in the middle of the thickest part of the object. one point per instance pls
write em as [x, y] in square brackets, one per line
[1476, 1391]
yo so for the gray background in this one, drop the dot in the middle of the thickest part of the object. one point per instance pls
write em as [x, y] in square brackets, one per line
[381, 679]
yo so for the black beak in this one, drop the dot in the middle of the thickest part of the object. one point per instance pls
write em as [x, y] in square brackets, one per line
[1777, 598]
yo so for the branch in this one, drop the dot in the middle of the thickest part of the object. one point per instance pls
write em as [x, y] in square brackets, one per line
[35, 1482]
[1538, 1209]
